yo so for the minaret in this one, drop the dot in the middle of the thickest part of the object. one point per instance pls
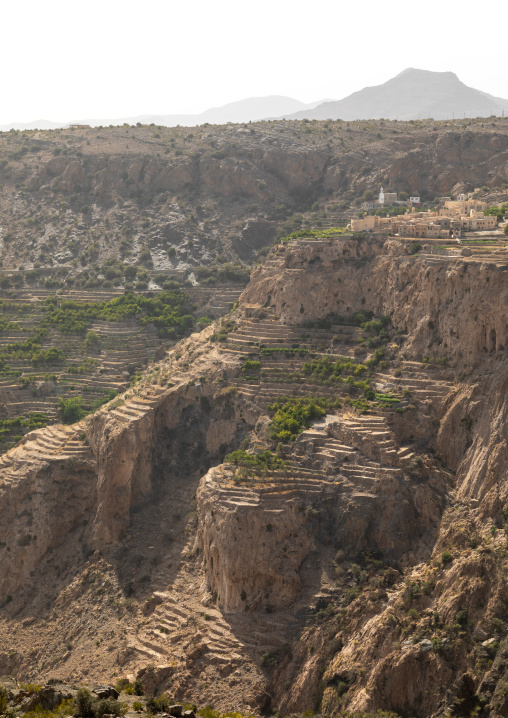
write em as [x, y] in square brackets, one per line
[381, 197]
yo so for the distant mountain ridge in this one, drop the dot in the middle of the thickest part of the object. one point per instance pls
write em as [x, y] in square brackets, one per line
[410, 95]
[250, 109]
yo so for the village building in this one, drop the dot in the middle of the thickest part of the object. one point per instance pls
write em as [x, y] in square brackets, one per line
[450, 219]
[463, 206]
[430, 225]
[387, 197]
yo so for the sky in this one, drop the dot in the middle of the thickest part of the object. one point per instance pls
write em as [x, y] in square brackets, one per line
[65, 61]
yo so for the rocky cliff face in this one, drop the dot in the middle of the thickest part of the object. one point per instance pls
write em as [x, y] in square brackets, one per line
[432, 301]
[364, 570]
[112, 193]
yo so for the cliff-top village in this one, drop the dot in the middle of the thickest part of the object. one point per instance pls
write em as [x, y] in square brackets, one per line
[450, 219]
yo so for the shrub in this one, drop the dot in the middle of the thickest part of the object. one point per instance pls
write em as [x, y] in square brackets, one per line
[122, 683]
[157, 705]
[83, 703]
[292, 417]
[446, 558]
[92, 341]
[71, 410]
[227, 272]
[107, 706]
[257, 462]
[131, 272]
[4, 698]
[271, 659]
[138, 688]
[164, 311]
[437, 644]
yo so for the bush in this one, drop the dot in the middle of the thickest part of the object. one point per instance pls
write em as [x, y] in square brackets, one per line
[138, 688]
[257, 462]
[4, 698]
[71, 410]
[122, 683]
[92, 341]
[107, 706]
[84, 703]
[131, 272]
[271, 659]
[446, 558]
[227, 272]
[157, 705]
[292, 417]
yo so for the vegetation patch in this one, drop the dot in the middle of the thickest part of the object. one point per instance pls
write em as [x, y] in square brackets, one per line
[294, 415]
[259, 463]
[75, 408]
[220, 273]
[168, 311]
[315, 234]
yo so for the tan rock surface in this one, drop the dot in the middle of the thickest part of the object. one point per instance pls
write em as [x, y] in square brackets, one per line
[381, 580]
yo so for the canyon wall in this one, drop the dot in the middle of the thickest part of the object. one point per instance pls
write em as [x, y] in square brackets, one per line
[373, 559]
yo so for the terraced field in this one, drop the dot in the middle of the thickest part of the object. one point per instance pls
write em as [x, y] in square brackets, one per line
[46, 367]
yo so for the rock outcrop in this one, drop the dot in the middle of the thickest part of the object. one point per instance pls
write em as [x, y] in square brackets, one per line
[367, 555]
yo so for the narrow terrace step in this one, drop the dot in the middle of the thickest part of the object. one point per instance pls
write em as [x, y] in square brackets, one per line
[140, 647]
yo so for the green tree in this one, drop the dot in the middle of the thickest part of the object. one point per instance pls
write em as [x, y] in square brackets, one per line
[403, 196]
[84, 703]
[92, 341]
[368, 195]
[131, 272]
[71, 410]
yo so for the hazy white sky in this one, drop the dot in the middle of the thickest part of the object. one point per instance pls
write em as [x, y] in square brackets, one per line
[64, 60]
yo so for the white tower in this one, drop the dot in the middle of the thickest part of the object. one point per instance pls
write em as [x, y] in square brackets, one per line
[381, 197]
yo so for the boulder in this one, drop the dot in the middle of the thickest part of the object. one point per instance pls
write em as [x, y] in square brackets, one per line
[44, 388]
[106, 692]
[48, 697]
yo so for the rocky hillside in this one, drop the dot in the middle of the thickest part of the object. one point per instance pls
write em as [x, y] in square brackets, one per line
[301, 508]
[114, 205]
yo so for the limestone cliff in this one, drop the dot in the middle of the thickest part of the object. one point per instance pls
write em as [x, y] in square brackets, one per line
[362, 567]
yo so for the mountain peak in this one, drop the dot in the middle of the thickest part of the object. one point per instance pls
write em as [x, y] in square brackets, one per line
[412, 94]
[425, 73]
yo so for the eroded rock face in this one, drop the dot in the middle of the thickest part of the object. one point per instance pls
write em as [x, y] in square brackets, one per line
[385, 574]
[242, 578]
[256, 233]
[332, 281]
[44, 498]
[42, 506]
